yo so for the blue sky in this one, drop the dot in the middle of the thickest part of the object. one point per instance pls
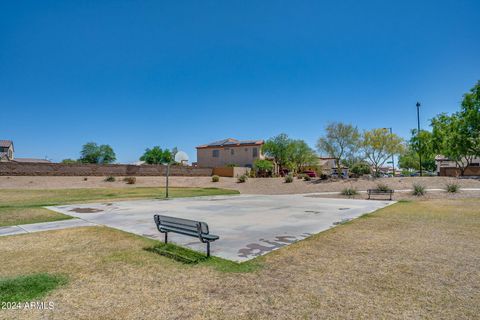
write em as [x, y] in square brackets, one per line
[134, 74]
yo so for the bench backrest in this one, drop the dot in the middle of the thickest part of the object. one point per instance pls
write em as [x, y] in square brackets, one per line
[182, 224]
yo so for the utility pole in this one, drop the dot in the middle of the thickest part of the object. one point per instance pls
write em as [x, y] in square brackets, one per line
[393, 160]
[418, 137]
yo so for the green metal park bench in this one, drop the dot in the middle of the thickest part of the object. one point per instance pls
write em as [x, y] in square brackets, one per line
[192, 228]
[379, 192]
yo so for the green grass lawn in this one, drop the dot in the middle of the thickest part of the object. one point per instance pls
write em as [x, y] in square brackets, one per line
[26, 206]
[28, 288]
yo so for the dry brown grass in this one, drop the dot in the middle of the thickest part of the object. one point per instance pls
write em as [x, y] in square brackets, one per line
[409, 260]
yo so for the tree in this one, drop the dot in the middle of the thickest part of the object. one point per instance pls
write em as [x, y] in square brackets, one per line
[288, 153]
[263, 167]
[278, 148]
[341, 141]
[361, 168]
[457, 136]
[379, 145]
[157, 156]
[421, 143]
[93, 153]
[301, 155]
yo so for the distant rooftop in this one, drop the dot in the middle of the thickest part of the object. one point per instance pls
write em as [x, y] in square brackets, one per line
[230, 142]
[6, 143]
[31, 160]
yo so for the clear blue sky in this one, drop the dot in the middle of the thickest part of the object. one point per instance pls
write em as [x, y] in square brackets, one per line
[135, 74]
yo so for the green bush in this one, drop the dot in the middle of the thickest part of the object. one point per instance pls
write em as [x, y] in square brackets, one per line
[307, 178]
[361, 168]
[215, 178]
[243, 178]
[231, 165]
[288, 178]
[301, 176]
[383, 187]
[452, 187]
[109, 179]
[130, 180]
[350, 192]
[419, 190]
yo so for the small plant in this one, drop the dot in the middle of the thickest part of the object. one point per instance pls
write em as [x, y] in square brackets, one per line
[349, 192]
[288, 178]
[383, 187]
[231, 165]
[307, 178]
[301, 176]
[85, 179]
[215, 178]
[419, 190]
[241, 179]
[452, 187]
[130, 180]
[109, 179]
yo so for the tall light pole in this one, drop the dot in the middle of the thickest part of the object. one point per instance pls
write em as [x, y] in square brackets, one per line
[418, 137]
[393, 160]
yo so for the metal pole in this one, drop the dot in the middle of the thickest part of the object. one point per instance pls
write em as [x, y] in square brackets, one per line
[419, 142]
[393, 160]
[166, 184]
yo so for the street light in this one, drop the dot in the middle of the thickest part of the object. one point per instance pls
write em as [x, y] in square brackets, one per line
[393, 161]
[418, 137]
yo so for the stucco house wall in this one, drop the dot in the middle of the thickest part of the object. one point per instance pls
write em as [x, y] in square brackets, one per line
[241, 154]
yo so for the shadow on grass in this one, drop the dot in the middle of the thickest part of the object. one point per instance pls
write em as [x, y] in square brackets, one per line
[191, 257]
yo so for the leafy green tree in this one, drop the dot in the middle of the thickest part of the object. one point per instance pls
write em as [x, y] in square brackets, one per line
[279, 148]
[361, 168]
[289, 153]
[379, 145]
[263, 167]
[419, 143]
[157, 156]
[93, 153]
[301, 155]
[341, 141]
[457, 136]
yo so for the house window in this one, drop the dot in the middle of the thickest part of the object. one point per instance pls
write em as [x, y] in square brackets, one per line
[255, 152]
[215, 153]
[232, 152]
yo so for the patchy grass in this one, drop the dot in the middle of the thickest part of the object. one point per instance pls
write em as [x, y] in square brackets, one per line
[416, 259]
[26, 206]
[29, 287]
[189, 256]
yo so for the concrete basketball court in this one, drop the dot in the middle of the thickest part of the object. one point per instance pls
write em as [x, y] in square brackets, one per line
[248, 225]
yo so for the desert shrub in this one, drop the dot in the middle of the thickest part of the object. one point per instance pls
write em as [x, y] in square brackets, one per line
[231, 165]
[350, 192]
[243, 178]
[383, 187]
[452, 187]
[215, 178]
[361, 168]
[109, 179]
[307, 178]
[419, 190]
[288, 178]
[301, 176]
[130, 180]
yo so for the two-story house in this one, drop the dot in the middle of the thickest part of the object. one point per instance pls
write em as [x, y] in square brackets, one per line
[6, 150]
[241, 153]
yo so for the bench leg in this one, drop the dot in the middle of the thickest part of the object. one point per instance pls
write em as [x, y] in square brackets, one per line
[166, 237]
[208, 249]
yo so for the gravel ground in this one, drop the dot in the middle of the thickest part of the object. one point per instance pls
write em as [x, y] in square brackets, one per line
[252, 186]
